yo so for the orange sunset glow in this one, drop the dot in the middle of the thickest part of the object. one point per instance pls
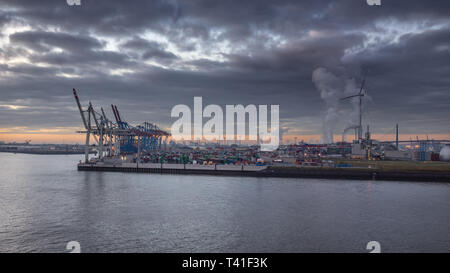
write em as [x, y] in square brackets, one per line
[73, 138]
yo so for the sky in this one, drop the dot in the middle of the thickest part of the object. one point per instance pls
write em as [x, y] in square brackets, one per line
[148, 56]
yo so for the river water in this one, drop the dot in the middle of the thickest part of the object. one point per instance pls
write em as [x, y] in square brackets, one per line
[45, 203]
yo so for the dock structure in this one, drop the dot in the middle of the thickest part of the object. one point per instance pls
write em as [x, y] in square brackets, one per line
[237, 170]
[119, 137]
[354, 173]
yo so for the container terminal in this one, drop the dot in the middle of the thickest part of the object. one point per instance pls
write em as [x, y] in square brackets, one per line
[120, 146]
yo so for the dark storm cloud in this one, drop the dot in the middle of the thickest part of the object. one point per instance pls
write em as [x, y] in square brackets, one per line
[148, 49]
[85, 60]
[106, 16]
[4, 18]
[255, 51]
[44, 41]
[324, 51]
[75, 50]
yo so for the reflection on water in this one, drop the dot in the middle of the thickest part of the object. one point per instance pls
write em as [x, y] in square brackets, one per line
[45, 203]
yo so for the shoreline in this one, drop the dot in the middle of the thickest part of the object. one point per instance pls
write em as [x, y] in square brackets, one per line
[46, 152]
[356, 173]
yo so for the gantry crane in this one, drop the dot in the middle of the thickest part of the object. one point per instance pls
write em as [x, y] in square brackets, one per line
[119, 137]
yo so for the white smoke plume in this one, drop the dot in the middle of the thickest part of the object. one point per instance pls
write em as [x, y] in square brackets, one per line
[331, 91]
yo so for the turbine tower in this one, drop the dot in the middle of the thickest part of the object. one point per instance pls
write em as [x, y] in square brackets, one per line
[360, 95]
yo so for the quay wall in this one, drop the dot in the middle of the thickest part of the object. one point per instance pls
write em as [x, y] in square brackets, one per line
[269, 171]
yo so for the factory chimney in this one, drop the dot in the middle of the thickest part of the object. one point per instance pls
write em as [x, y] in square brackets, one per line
[396, 136]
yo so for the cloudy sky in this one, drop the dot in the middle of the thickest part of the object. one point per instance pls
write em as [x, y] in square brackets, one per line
[147, 56]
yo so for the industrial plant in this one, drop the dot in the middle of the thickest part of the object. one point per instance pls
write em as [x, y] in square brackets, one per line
[120, 146]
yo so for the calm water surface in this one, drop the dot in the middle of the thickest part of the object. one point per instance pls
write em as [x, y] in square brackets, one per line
[45, 203]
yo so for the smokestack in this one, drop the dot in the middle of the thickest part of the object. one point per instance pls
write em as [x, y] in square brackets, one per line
[396, 136]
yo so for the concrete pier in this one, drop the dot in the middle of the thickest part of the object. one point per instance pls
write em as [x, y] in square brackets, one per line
[234, 170]
[270, 171]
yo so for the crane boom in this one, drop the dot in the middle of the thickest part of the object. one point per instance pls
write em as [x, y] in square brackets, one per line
[80, 108]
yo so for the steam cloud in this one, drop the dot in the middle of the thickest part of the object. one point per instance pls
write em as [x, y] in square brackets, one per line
[332, 88]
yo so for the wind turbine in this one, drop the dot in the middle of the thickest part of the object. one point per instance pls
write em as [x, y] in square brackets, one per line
[360, 95]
